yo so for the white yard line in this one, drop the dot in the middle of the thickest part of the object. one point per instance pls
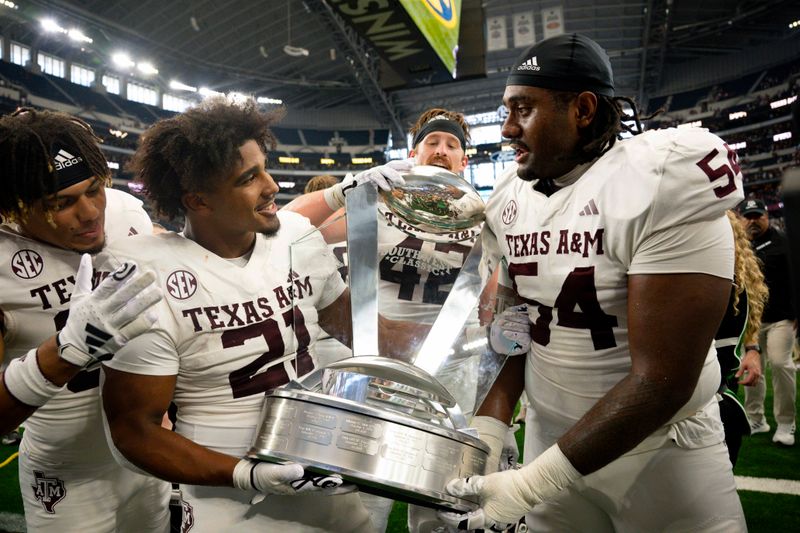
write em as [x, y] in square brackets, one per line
[766, 484]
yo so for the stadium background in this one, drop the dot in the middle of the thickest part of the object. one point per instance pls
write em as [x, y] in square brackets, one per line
[353, 75]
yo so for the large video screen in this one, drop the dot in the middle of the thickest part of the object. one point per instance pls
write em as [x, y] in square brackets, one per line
[439, 21]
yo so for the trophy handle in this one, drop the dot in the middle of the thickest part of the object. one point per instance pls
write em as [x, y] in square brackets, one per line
[362, 247]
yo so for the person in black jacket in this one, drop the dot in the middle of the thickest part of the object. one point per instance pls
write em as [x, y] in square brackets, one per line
[779, 323]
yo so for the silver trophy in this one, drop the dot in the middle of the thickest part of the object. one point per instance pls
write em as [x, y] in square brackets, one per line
[394, 426]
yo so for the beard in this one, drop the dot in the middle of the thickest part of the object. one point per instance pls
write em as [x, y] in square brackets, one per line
[272, 229]
[439, 161]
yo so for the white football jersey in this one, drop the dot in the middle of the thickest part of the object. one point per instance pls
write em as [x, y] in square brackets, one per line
[415, 275]
[231, 333]
[653, 204]
[36, 283]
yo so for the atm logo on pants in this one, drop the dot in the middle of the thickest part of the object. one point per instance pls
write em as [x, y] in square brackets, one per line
[48, 490]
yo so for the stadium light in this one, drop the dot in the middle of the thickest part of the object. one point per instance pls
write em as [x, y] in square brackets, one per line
[739, 146]
[51, 26]
[178, 86]
[122, 60]
[237, 97]
[8, 4]
[77, 35]
[795, 24]
[286, 184]
[782, 102]
[147, 68]
[205, 91]
[267, 100]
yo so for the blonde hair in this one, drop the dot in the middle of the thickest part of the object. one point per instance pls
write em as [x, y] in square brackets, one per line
[436, 112]
[318, 183]
[748, 276]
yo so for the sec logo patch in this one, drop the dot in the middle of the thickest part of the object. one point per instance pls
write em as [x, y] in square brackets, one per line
[181, 284]
[510, 212]
[27, 264]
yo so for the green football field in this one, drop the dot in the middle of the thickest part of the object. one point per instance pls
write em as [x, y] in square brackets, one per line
[766, 512]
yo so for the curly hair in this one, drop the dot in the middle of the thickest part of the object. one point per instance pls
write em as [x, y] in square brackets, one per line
[26, 169]
[318, 183]
[436, 112]
[749, 277]
[604, 131]
[198, 149]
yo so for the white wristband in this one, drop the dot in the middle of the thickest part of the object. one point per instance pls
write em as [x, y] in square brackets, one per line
[493, 432]
[547, 475]
[25, 382]
[243, 475]
[334, 197]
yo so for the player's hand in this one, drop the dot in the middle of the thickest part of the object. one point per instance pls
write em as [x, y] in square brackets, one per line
[494, 514]
[509, 457]
[510, 331]
[102, 321]
[384, 177]
[505, 497]
[749, 369]
[286, 479]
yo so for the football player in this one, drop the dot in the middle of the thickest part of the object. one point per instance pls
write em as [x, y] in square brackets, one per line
[238, 319]
[56, 210]
[624, 257]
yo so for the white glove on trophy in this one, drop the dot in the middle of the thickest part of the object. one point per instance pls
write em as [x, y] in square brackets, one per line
[285, 479]
[102, 321]
[509, 456]
[384, 177]
[505, 497]
[510, 331]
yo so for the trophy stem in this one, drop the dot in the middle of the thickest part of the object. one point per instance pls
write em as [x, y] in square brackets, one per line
[362, 246]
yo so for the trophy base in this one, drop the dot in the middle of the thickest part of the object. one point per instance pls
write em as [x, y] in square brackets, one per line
[382, 452]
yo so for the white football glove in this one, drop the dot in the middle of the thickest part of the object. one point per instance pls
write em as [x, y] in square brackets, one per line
[384, 177]
[102, 321]
[509, 457]
[286, 479]
[510, 331]
[505, 497]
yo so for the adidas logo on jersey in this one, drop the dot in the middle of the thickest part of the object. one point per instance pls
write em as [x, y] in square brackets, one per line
[65, 159]
[590, 209]
[530, 64]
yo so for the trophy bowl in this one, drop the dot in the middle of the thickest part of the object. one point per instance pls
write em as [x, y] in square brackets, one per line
[437, 201]
[381, 451]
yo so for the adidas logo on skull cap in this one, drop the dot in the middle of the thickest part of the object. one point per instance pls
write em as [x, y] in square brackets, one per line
[569, 62]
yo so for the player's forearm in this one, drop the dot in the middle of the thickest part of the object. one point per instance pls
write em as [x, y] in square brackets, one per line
[55, 369]
[53, 373]
[13, 412]
[506, 390]
[312, 206]
[170, 456]
[631, 411]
